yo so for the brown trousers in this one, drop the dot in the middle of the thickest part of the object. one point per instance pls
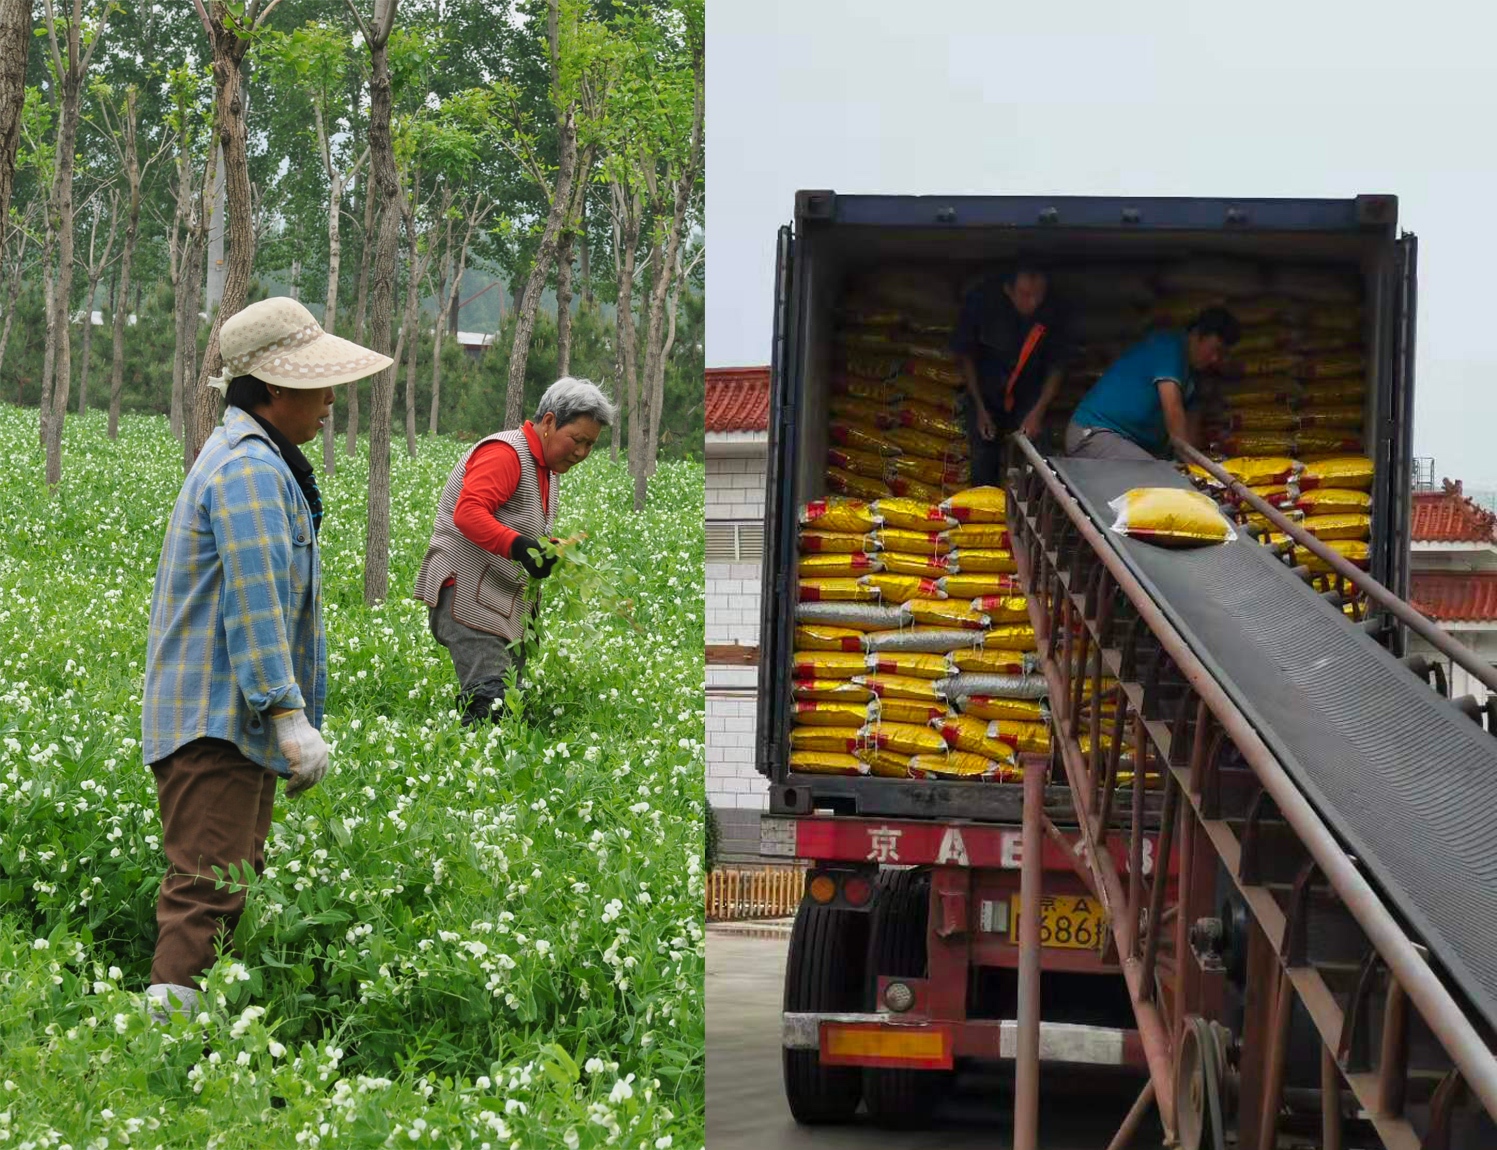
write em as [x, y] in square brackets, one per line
[215, 812]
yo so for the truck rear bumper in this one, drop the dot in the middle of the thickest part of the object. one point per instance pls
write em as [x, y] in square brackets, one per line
[874, 1040]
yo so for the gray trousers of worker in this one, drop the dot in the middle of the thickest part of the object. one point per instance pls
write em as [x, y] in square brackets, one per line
[480, 659]
[1097, 443]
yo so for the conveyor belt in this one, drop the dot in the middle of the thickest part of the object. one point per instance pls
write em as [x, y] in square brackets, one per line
[1406, 781]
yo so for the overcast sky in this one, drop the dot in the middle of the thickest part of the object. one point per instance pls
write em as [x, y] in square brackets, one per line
[1312, 98]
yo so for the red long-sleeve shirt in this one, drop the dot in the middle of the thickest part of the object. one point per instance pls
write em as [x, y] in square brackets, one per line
[491, 479]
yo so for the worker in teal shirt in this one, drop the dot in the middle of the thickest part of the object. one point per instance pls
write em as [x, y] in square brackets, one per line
[1143, 400]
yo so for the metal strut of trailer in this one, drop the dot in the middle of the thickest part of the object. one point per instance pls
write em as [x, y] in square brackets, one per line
[1326, 968]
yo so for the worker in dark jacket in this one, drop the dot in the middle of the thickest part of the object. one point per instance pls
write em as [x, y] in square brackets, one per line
[1012, 351]
[499, 502]
[1147, 397]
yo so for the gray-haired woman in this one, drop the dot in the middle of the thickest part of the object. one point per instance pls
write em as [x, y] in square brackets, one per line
[500, 500]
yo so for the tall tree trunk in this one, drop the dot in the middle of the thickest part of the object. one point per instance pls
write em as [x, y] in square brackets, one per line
[85, 353]
[15, 39]
[229, 113]
[382, 301]
[13, 293]
[62, 284]
[626, 240]
[187, 336]
[366, 249]
[415, 270]
[439, 328]
[584, 268]
[330, 304]
[127, 257]
[564, 305]
[49, 354]
[519, 354]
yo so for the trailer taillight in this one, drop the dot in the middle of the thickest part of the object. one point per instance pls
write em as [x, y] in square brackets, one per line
[822, 888]
[857, 890]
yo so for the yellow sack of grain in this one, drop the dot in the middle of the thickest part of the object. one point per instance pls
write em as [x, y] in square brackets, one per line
[856, 486]
[811, 637]
[923, 640]
[980, 660]
[978, 505]
[1013, 637]
[819, 713]
[982, 583]
[1262, 341]
[980, 536]
[884, 764]
[827, 664]
[965, 766]
[900, 687]
[1024, 737]
[862, 436]
[1334, 317]
[929, 418]
[1170, 517]
[929, 471]
[837, 542]
[840, 515]
[1276, 494]
[941, 373]
[987, 560]
[858, 616]
[1259, 443]
[912, 515]
[903, 487]
[901, 588]
[1263, 391]
[914, 663]
[1333, 392]
[835, 566]
[1260, 470]
[1333, 501]
[907, 439]
[968, 733]
[1268, 364]
[837, 591]
[831, 690]
[906, 711]
[905, 738]
[942, 613]
[1003, 608]
[1275, 418]
[853, 410]
[913, 542]
[859, 462]
[1333, 367]
[861, 387]
[843, 740]
[825, 763]
[1353, 550]
[934, 567]
[1329, 441]
[990, 707]
[1350, 472]
[1343, 415]
[1333, 527]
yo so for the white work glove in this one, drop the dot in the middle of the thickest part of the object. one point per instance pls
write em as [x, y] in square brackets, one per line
[304, 748]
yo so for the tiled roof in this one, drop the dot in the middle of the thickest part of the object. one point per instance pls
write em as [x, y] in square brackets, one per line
[737, 399]
[1447, 516]
[1456, 597]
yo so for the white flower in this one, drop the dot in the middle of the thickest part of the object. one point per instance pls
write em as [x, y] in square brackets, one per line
[276, 1050]
[40, 944]
[663, 1143]
[542, 947]
[621, 1091]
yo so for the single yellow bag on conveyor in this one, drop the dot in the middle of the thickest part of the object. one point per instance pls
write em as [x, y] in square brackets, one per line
[979, 584]
[841, 515]
[832, 690]
[913, 663]
[900, 687]
[1025, 737]
[827, 664]
[1014, 637]
[963, 765]
[912, 515]
[1171, 517]
[1336, 527]
[1351, 472]
[978, 505]
[812, 637]
[990, 707]
[980, 536]
[1333, 501]
[913, 542]
[1003, 608]
[943, 613]
[986, 561]
[921, 566]
[838, 591]
[825, 763]
[856, 486]
[906, 711]
[901, 588]
[834, 566]
[984, 661]
[885, 764]
[837, 542]
[819, 713]
[842, 740]
[906, 738]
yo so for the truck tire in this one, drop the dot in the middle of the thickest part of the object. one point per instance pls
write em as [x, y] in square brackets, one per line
[824, 972]
[900, 1099]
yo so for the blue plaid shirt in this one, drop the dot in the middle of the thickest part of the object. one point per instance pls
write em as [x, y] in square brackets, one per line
[236, 616]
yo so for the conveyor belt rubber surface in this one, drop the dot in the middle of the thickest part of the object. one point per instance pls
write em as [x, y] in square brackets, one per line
[1406, 781]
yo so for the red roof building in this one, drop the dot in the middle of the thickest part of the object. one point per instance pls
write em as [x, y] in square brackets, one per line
[1453, 556]
[737, 401]
[1455, 597]
[1448, 517]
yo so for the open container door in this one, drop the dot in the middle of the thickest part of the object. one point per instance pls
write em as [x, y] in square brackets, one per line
[1399, 475]
[780, 523]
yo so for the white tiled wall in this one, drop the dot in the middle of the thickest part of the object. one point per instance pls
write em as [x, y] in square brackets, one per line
[732, 780]
[735, 487]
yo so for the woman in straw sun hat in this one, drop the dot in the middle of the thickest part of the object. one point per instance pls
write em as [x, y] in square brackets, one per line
[236, 657]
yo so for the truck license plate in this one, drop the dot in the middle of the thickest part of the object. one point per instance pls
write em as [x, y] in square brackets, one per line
[1069, 922]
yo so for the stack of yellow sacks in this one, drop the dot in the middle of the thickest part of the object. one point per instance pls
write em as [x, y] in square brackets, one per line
[913, 647]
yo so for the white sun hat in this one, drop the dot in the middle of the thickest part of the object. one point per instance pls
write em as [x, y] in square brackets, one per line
[278, 341]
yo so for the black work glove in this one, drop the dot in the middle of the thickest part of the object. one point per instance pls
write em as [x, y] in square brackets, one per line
[527, 553]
